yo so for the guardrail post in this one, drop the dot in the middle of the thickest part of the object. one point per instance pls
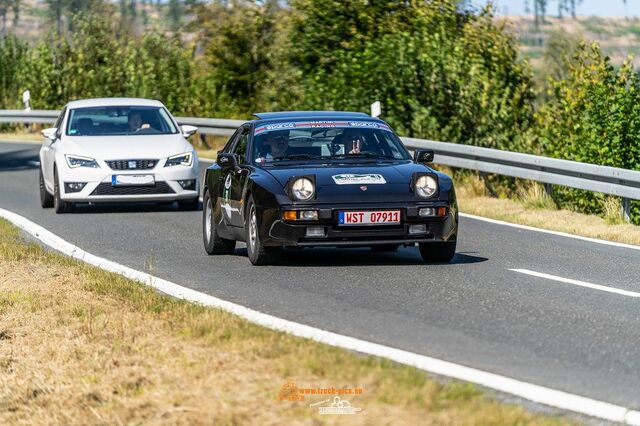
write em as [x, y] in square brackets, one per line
[626, 209]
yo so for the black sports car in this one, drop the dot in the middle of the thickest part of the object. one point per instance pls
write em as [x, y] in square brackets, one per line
[299, 179]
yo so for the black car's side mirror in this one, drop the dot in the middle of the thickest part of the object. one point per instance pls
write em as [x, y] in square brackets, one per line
[423, 156]
[227, 161]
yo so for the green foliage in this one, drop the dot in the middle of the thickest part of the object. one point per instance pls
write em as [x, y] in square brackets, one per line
[592, 116]
[12, 55]
[440, 73]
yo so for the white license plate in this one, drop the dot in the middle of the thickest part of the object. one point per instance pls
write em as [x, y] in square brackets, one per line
[132, 180]
[378, 217]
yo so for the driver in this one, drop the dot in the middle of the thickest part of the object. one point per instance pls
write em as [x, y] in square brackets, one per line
[275, 146]
[134, 119]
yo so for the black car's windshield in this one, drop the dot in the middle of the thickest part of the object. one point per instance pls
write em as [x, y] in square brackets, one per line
[325, 140]
[120, 120]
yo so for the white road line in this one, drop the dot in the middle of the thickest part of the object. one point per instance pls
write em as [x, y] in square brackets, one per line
[578, 283]
[530, 391]
[546, 231]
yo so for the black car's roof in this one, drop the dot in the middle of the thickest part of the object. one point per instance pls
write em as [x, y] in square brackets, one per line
[296, 115]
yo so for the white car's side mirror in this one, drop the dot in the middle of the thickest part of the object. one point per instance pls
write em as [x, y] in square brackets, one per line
[50, 133]
[188, 130]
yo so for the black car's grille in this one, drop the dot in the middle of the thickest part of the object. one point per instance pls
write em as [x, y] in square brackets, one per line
[132, 164]
[107, 189]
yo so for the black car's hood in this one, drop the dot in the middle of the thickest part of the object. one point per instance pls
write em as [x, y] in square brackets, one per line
[348, 183]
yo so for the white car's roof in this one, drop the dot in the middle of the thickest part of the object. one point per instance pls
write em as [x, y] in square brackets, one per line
[98, 102]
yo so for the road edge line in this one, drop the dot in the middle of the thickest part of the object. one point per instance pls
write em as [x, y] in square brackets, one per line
[548, 231]
[536, 393]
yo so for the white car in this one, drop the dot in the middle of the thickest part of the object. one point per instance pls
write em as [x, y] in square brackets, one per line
[117, 149]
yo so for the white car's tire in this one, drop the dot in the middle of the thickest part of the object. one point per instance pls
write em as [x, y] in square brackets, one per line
[59, 205]
[46, 199]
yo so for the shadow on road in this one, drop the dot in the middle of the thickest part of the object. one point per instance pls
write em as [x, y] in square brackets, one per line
[127, 208]
[23, 159]
[330, 257]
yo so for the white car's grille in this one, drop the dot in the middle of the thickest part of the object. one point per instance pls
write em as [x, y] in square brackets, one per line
[132, 164]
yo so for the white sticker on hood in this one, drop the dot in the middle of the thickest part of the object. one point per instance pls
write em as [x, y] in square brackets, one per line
[358, 179]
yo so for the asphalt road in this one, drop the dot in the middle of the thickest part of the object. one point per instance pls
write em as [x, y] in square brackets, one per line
[475, 311]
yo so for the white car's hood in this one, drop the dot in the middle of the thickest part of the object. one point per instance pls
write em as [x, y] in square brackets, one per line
[126, 147]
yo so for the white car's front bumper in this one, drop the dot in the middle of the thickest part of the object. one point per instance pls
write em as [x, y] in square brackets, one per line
[99, 186]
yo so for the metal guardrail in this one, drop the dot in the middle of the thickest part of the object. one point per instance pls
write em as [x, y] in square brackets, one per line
[206, 126]
[608, 180]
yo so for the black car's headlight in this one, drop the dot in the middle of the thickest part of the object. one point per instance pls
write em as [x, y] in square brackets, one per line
[425, 186]
[303, 189]
[183, 159]
[74, 161]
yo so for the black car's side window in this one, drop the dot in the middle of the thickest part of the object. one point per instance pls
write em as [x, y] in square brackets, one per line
[240, 149]
[228, 148]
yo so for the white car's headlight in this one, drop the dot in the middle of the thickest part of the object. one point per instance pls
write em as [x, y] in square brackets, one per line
[426, 186]
[77, 161]
[183, 159]
[302, 189]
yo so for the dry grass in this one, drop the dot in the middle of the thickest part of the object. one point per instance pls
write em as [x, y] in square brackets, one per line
[21, 135]
[82, 346]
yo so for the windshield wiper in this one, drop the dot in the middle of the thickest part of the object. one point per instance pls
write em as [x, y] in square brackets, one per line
[364, 155]
[297, 157]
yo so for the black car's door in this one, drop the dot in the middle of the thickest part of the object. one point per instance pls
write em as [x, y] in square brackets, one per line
[234, 181]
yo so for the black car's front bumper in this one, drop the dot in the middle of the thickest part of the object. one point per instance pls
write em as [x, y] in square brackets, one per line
[277, 232]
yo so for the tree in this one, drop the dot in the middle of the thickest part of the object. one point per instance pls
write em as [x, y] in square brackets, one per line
[238, 44]
[539, 11]
[568, 6]
[175, 13]
[439, 72]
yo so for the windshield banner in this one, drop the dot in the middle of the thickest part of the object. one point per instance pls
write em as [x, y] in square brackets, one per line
[319, 124]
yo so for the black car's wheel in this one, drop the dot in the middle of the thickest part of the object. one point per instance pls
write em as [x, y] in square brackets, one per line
[189, 205]
[59, 205]
[46, 199]
[258, 254]
[385, 248]
[438, 252]
[213, 244]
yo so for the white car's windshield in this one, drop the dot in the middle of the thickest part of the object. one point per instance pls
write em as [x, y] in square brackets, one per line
[119, 120]
[324, 140]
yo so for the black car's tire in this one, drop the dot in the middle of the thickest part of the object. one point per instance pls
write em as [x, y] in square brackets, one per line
[46, 199]
[189, 205]
[438, 252]
[59, 205]
[213, 244]
[385, 248]
[257, 253]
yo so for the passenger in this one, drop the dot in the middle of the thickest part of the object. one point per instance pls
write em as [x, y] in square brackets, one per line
[353, 141]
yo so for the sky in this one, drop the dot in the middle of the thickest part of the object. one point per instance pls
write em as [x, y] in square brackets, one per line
[587, 8]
